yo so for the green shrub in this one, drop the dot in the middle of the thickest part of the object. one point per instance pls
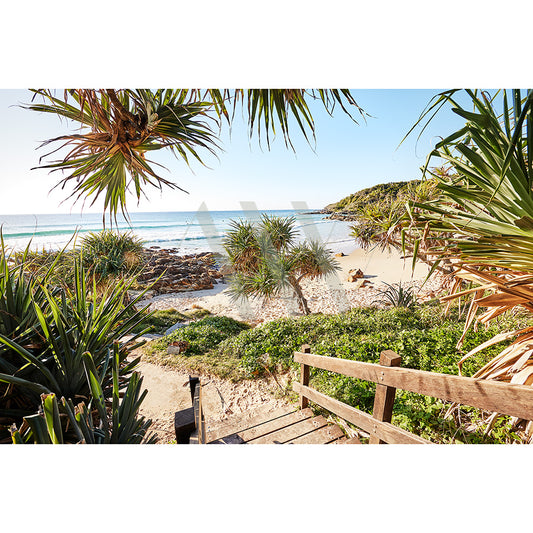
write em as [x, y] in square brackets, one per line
[202, 335]
[110, 253]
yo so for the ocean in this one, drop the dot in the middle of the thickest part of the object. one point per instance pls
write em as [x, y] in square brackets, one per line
[190, 232]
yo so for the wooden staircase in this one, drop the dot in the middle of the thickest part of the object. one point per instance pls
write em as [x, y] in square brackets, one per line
[283, 426]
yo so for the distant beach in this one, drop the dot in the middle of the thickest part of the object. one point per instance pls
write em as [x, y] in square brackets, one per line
[190, 232]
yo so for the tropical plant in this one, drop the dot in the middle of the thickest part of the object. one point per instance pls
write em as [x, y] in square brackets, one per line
[111, 253]
[267, 261]
[397, 296]
[486, 213]
[381, 220]
[119, 128]
[45, 331]
[65, 422]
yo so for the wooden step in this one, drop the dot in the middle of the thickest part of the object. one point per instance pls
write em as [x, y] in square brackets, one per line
[324, 435]
[282, 426]
[238, 423]
[290, 432]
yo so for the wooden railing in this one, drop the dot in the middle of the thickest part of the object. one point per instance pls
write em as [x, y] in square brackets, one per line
[504, 398]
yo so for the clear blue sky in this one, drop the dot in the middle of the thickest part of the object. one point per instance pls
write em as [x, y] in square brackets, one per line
[347, 158]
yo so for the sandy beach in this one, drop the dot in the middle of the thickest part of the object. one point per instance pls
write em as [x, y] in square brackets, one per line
[334, 294]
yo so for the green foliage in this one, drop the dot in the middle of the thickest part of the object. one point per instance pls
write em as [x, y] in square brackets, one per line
[106, 255]
[111, 253]
[202, 335]
[398, 296]
[487, 196]
[424, 338]
[60, 423]
[46, 332]
[267, 260]
[374, 195]
[119, 127]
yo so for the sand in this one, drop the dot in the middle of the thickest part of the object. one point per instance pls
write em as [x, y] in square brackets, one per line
[331, 295]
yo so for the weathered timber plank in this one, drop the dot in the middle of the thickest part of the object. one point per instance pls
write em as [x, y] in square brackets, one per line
[383, 430]
[293, 431]
[271, 426]
[304, 376]
[505, 398]
[384, 397]
[237, 423]
[353, 440]
[324, 435]
[199, 421]
[342, 440]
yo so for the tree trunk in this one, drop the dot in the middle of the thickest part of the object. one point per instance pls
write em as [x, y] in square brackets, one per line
[302, 302]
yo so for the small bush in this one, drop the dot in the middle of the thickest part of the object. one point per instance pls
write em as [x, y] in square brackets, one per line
[110, 253]
[202, 335]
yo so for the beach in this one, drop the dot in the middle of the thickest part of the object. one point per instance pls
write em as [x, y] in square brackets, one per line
[334, 294]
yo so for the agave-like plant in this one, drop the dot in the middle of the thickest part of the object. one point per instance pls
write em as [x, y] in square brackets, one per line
[121, 126]
[117, 419]
[267, 261]
[486, 213]
[397, 295]
[46, 354]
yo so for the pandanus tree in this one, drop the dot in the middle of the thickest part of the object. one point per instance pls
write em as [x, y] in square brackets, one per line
[268, 262]
[121, 128]
[486, 212]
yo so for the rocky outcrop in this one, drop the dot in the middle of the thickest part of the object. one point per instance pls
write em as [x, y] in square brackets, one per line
[176, 273]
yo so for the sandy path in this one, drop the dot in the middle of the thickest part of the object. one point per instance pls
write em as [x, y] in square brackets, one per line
[168, 392]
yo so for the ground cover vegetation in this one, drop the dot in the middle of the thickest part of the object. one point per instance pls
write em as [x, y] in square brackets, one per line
[267, 260]
[424, 337]
[62, 365]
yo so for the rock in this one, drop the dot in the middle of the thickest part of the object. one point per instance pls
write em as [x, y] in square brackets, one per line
[362, 283]
[355, 274]
[176, 326]
[340, 254]
[178, 273]
[178, 347]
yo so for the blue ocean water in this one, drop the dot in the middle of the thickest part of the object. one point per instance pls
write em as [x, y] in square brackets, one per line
[190, 232]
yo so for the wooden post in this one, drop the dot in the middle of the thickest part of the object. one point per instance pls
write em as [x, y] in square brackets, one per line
[304, 376]
[384, 398]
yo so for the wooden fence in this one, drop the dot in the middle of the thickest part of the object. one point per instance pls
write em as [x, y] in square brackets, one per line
[504, 398]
